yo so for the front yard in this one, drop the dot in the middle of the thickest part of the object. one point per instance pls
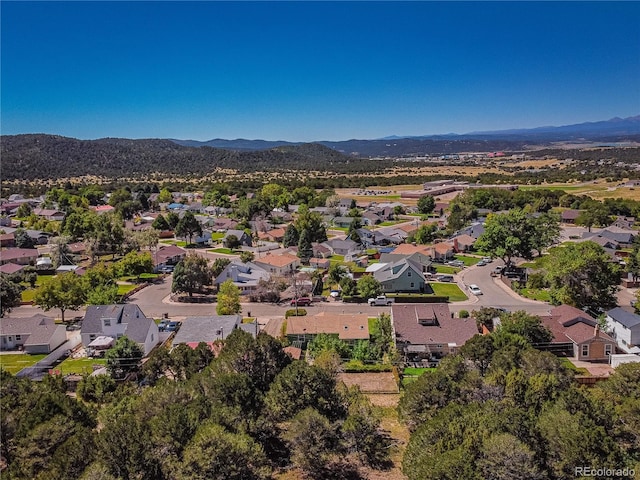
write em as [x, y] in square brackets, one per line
[79, 366]
[450, 290]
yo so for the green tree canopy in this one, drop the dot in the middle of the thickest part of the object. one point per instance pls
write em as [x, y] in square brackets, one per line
[65, 291]
[124, 357]
[583, 275]
[369, 287]
[188, 226]
[426, 204]
[10, 294]
[228, 299]
[191, 275]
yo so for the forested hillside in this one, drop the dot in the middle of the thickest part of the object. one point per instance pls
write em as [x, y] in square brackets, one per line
[30, 157]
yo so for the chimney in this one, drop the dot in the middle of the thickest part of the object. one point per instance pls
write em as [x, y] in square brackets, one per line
[596, 331]
[234, 273]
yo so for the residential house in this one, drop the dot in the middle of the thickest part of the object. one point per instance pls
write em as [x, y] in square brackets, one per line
[278, 264]
[349, 328]
[428, 330]
[441, 251]
[372, 238]
[625, 223]
[401, 276]
[116, 321]
[103, 209]
[569, 216]
[322, 263]
[321, 251]
[241, 235]
[273, 235]
[245, 276]
[207, 329]
[7, 240]
[49, 214]
[474, 230]
[11, 268]
[342, 246]
[419, 258]
[576, 333]
[224, 223]
[463, 243]
[20, 256]
[168, 255]
[370, 218]
[624, 327]
[37, 334]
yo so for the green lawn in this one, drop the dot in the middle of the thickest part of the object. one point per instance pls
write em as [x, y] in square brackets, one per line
[389, 223]
[468, 261]
[535, 294]
[179, 243]
[446, 269]
[450, 290]
[226, 251]
[13, 363]
[217, 236]
[416, 371]
[125, 288]
[79, 365]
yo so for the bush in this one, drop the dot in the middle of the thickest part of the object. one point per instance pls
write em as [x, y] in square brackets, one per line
[356, 366]
[292, 313]
[463, 314]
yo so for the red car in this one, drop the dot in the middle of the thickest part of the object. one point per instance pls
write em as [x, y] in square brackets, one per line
[300, 302]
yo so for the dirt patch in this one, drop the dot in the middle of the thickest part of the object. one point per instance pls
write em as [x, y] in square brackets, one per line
[381, 383]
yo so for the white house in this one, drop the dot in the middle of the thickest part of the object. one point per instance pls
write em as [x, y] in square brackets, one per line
[245, 276]
[37, 334]
[624, 327]
[116, 321]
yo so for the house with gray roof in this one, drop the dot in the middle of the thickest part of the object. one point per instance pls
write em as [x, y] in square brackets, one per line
[206, 329]
[402, 276]
[241, 235]
[341, 246]
[245, 276]
[624, 327]
[116, 321]
[37, 334]
[428, 330]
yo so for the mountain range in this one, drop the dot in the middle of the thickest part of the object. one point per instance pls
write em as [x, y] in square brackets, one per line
[613, 130]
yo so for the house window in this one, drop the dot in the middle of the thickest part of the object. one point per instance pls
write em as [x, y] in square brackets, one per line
[107, 322]
[411, 284]
[18, 337]
[409, 273]
[585, 350]
[607, 349]
[152, 337]
[91, 338]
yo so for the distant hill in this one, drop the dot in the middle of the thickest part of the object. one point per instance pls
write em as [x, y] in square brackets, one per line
[613, 130]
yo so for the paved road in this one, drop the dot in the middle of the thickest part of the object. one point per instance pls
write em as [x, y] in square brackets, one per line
[495, 293]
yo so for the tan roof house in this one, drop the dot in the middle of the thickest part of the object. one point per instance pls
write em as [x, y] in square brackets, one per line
[278, 264]
[349, 328]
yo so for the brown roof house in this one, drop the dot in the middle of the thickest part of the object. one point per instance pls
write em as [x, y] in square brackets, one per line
[21, 256]
[576, 333]
[349, 328]
[37, 334]
[428, 330]
[278, 264]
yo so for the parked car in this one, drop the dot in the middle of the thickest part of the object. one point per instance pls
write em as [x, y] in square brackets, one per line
[456, 263]
[380, 300]
[481, 263]
[172, 327]
[167, 269]
[334, 293]
[475, 289]
[163, 325]
[444, 278]
[301, 302]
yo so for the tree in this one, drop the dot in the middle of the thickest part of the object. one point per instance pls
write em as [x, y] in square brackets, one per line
[596, 215]
[172, 219]
[546, 231]
[305, 250]
[10, 294]
[426, 204]
[633, 260]
[246, 257]
[217, 454]
[369, 287]
[228, 299]
[336, 273]
[426, 234]
[479, 349]
[219, 264]
[135, 263]
[312, 222]
[191, 274]
[188, 226]
[165, 196]
[509, 235]
[160, 223]
[22, 238]
[124, 357]
[24, 210]
[231, 242]
[65, 292]
[103, 295]
[507, 458]
[291, 236]
[583, 275]
[324, 342]
[529, 327]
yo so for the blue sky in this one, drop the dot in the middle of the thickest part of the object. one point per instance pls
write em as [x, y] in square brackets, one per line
[304, 71]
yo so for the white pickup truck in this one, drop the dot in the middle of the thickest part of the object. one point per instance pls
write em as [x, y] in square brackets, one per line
[380, 300]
